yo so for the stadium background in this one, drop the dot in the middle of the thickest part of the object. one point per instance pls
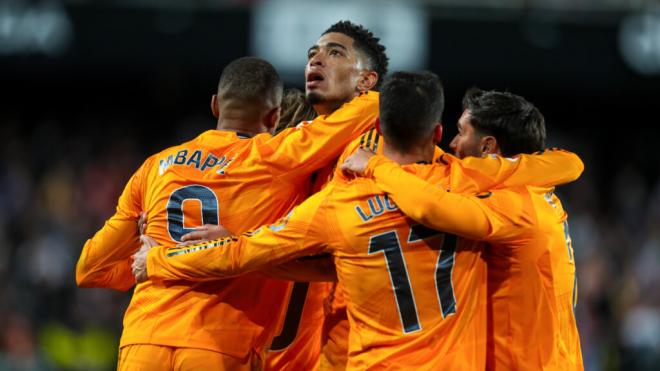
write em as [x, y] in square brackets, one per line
[91, 88]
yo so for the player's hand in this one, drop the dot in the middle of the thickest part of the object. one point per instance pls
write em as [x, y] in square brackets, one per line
[139, 266]
[356, 164]
[142, 222]
[205, 233]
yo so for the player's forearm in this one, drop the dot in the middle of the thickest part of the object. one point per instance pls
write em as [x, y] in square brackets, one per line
[547, 169]
[205, 261]
[106, 258]
[553, 167]
[307, 269]
[117, 276]
[429, 204]
[322, 141]
[228, 257]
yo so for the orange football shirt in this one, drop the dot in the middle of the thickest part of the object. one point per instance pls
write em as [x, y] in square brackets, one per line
[215, 178]
[532, 287]
[298, 345]
[389, 269]
[406, 286]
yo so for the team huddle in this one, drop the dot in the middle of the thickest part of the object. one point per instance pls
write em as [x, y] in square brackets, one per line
[349, 239]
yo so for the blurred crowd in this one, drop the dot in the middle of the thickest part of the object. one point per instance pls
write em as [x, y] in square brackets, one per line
[59, 185]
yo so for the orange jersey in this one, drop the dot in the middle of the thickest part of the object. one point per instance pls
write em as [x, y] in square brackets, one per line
[334, 340]
[415, 296]
[298, 345]
[397, 277]
[531, 271]
[215, 178]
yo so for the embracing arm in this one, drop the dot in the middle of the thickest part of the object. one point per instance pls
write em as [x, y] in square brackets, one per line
[300, 234]
[547, 168]
[105, 260]
[317, 268]
[298, 152]
[429, 204]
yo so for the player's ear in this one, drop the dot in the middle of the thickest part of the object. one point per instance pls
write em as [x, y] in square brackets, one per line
[273, 118]
[367, 81]
[437, 133]
[214, 106]
[489, 145]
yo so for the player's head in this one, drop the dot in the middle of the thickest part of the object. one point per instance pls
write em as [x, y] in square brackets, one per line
[498, 122]
[411, 106]
[345, 61]
[295, 109]
[249, 94]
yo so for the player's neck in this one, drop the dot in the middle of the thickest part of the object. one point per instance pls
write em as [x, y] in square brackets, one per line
[326, 108]
[418, 154]
[240, 127]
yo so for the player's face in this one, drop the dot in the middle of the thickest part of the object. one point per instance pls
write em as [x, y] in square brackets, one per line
[467, 142]
[333, 70]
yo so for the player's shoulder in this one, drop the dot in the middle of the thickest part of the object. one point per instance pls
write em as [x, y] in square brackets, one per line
[516, 203]
[370, 140]
[367, 98]
[213, 150]
[349, 191]
[435, 172]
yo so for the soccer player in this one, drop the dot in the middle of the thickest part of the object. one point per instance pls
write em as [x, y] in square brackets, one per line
[238, 175]
[414, 296]
[311, 335]
[532, 287]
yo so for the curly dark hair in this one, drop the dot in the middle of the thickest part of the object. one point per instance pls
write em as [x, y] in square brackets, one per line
[295, 109]
[367, 43]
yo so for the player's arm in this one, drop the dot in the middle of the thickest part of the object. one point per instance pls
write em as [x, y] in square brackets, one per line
[426, 203]
[433, 206]
[105, 260]
[300, 151]
[318, 268]
[300, 234]
[547, 168]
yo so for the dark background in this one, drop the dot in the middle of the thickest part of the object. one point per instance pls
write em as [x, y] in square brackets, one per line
[77, 120]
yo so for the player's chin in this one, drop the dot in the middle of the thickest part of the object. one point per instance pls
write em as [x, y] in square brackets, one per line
[314, 97]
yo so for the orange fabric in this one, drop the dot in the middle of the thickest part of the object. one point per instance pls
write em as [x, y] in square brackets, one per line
[531, 272]
[334, 343]
[146, 357]
[377, 338]
[373, 244]
[240, 183]
[298, 345]
[311, 338]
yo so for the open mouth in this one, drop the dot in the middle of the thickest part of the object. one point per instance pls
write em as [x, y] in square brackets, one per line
[313, 78]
